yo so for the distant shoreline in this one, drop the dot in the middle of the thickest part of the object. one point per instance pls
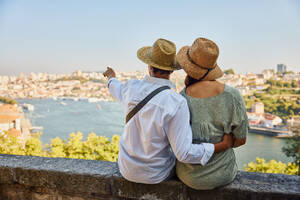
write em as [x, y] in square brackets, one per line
[64, 98]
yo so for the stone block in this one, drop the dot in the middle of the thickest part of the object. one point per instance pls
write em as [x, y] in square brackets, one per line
[167, 190]
[7, 175]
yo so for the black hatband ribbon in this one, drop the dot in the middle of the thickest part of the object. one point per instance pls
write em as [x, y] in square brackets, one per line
[208, 69]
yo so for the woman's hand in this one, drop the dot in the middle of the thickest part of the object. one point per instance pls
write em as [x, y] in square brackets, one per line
[238, 142]
[109, 73]
[226, 143]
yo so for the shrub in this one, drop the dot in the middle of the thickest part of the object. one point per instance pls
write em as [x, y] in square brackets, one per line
[260, 165]
[93, 148]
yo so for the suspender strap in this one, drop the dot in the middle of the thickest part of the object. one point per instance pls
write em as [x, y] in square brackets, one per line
[140, 105]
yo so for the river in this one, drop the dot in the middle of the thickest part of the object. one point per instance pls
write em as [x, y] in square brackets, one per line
[107, 119]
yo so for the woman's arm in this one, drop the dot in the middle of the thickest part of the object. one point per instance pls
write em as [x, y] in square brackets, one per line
[237, 142]
[226, 143]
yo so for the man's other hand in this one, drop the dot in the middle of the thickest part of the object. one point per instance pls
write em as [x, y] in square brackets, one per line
[109, 73]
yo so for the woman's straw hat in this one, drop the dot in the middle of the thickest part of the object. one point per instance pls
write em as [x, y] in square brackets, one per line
[200, 60]
[161, 55]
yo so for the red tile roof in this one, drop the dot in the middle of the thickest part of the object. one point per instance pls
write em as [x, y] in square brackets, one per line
[8, 113]
[14, 132]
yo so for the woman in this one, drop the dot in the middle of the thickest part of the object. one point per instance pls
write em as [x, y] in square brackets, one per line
[215, 109]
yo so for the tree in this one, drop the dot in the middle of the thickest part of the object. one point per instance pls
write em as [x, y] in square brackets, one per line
[292, 148]
[287, 84]
[229, 71]
[7, 100]
[279, 84]
[271, 82]
[294, 83]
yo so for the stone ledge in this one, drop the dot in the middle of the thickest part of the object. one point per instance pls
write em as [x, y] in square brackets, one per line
[27, 177]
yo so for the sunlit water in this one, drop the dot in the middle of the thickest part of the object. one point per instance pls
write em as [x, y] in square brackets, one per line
[107, 118]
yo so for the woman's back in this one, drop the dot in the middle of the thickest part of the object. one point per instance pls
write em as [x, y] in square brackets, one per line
[215, 109]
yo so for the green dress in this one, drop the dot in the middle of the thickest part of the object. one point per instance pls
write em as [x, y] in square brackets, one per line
[210, 119]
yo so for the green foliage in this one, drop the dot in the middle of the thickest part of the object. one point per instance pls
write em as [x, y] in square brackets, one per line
[288, 72]
[33, 146]
[248, 102]
[276, 90]
[281, 84]
[294, 84]
[7, 100]
[93, 148]
[292, 149]
[17, 146]
[260, 165]
[229, 71]
[283, 107]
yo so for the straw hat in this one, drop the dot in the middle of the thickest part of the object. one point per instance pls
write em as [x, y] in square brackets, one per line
[200, 60]
[161, 55]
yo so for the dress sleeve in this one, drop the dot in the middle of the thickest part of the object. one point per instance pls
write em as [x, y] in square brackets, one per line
[240, 124]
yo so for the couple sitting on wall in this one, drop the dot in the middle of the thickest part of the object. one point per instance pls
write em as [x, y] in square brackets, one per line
[191, 134]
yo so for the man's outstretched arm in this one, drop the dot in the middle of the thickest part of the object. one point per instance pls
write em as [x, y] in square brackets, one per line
[115, 86]
[180, 137]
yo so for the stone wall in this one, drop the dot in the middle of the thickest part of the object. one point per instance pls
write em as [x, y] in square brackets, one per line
[26, 177]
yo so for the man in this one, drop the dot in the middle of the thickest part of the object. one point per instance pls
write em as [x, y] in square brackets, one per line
[145, 155]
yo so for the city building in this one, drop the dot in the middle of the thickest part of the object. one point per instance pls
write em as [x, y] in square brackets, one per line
[258, 108]
[268, 73]
[281, 68]
[10, 119]
[271, 120]
[257, 117]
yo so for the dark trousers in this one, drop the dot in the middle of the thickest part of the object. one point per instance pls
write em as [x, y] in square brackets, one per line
[172, 174]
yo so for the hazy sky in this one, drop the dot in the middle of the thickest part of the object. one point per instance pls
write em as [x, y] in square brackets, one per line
[60, 36]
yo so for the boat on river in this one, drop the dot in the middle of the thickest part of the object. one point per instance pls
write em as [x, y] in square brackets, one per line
[93, 100]
[63, 103]
[28, 107]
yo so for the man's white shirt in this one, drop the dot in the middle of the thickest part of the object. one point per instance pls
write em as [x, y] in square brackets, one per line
[160, 130]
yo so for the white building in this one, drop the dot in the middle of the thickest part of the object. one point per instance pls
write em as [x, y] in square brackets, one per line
[10, 119]
[258, 108]
[272, 120]
[268, 73]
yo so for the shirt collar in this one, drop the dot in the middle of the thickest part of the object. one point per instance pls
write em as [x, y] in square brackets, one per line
[159, 81]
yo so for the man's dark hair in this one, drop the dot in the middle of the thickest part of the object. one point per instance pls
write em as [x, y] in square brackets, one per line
[161, 71]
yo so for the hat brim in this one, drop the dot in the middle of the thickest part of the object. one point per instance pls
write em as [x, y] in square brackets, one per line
[144, 54]
[195, 71]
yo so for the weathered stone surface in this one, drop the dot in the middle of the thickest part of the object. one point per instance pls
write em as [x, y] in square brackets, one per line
[7, 175]
[169, 190]
[21, 192]
[258, 186]
[26, 177]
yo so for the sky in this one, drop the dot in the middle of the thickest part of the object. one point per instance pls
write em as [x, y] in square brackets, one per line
[56, 36]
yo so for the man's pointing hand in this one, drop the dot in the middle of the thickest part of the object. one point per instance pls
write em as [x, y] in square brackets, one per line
[109, 73]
